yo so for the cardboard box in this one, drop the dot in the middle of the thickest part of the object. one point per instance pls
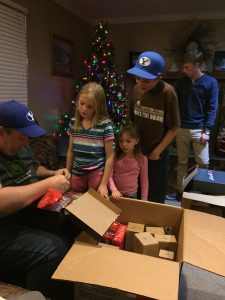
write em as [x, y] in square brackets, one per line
[93, 292]
[155, 230]
[145, 243]
[166, 254]
[209, 181]
[132, 228]
[205, 203]
[201, 242]
[166, 242]
[93, 213]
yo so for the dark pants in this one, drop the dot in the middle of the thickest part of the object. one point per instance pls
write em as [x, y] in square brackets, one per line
[29, 257]
[157, 178]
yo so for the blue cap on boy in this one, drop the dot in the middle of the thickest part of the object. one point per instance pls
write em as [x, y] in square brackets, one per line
[149, 65]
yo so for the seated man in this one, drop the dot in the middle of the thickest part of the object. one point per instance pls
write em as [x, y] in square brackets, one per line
[25, 252]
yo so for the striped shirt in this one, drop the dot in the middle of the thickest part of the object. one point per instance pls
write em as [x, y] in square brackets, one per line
[89, 147]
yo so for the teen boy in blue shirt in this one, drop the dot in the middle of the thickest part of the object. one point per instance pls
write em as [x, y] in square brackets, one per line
[198, 102]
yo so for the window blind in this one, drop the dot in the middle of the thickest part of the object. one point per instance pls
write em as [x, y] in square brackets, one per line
[13, 52]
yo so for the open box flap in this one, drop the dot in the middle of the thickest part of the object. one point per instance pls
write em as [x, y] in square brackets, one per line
[94, 212]
[204, 241]
[215, 200]
[123, 270]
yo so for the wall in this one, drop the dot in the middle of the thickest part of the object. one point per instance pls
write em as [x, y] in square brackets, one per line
[153, 36]
[49, 96]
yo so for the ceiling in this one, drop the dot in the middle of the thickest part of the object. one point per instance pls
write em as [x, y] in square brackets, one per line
[136, 11]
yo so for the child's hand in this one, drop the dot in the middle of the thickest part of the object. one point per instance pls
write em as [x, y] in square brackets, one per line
[116, 195]
[103, 191]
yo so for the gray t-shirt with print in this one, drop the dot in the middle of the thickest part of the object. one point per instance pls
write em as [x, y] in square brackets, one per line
[19, 169]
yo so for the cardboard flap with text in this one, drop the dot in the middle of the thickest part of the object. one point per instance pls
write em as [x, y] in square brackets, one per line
[122, 270]
[94, 213]
[204, 241]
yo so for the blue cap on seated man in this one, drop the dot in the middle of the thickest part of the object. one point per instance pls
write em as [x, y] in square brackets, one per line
[18, 116]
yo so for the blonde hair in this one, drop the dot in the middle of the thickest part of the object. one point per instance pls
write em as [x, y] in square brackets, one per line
[98, 93]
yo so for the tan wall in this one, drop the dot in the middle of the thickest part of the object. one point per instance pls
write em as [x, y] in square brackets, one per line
[152, 36]
[49, 96]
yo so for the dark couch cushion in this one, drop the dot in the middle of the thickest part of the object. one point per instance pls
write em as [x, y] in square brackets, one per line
[45, 151]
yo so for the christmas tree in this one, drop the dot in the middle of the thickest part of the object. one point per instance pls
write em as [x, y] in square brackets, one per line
[100, 67]
[61, 129]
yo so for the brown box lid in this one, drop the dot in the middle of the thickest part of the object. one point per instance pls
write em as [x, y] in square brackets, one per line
[94, 213]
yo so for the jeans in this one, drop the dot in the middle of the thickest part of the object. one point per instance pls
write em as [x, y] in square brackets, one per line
[184, 140]
[157, 177]
[28, 257]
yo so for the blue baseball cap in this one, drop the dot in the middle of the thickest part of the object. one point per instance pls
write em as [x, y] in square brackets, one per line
[16, 115]
[149, 65]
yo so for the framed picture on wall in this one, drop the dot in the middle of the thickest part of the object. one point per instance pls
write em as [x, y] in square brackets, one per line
[133, 55]
[62, 54]
[219, 61]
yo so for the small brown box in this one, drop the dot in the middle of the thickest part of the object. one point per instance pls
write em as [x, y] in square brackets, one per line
[155, 230]
[166, 254]
[132, 228]
[145, 243]
[167, 242]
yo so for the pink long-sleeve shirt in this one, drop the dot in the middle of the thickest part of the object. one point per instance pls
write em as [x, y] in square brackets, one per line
[125, 174]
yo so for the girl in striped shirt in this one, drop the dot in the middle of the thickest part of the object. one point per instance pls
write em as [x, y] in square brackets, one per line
[90, 152]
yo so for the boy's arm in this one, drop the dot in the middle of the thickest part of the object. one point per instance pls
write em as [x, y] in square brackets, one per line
[210, 115]
[167, 139]
[144, 177]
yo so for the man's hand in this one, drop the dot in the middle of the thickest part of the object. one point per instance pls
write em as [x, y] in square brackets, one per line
[59, 182]
[64, 172]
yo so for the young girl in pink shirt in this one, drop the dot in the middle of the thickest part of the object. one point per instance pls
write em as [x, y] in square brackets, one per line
[129, 165]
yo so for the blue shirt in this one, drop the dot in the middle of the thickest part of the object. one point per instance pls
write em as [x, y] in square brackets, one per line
[198, 102]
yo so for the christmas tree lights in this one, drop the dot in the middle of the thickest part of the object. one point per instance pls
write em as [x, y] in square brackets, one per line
[100, 67]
